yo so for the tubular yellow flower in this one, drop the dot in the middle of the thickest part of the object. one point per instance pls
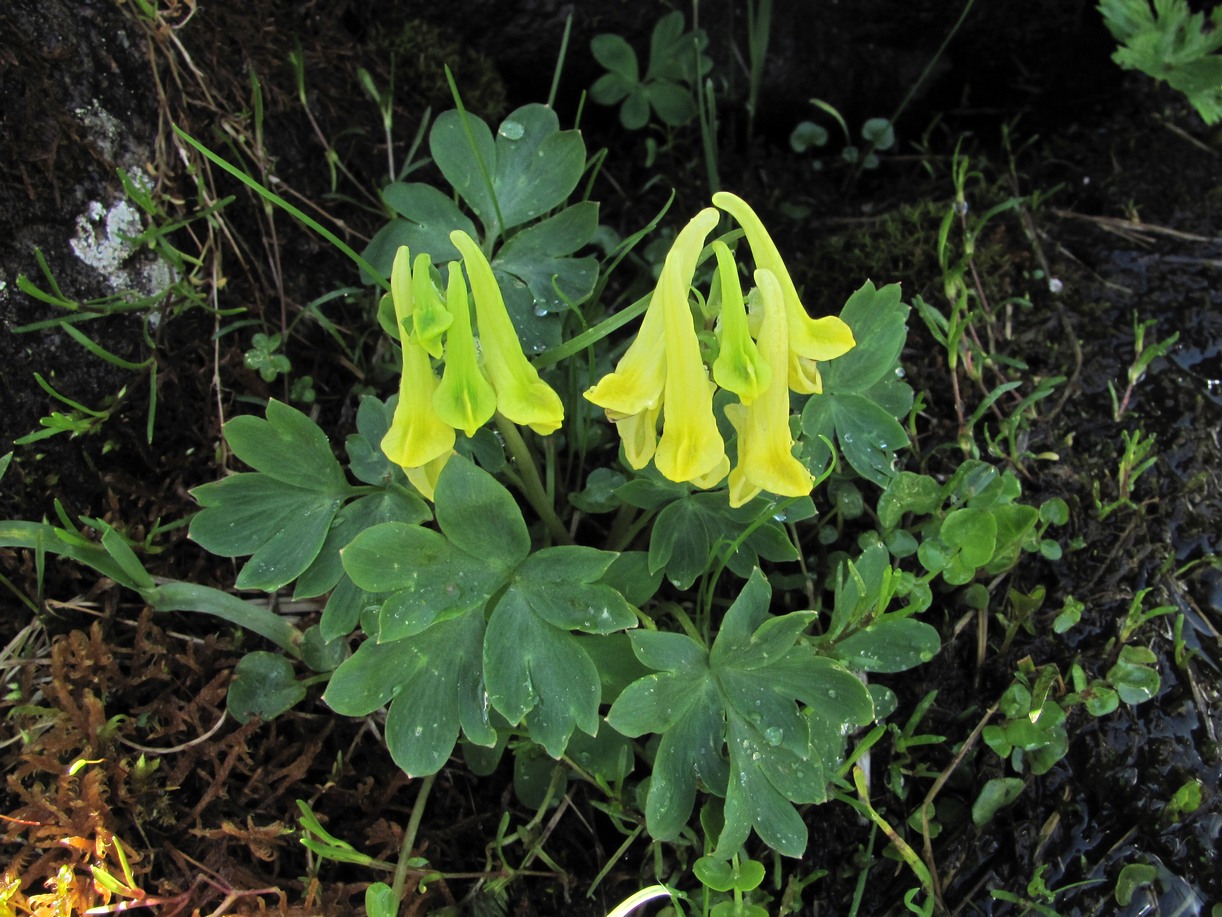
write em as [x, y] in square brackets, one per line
[691, 447]
[739, 368]
[765, 448]
[417, 435]
[521, 396]
[662, 373]
[810, 339]
[464, 399]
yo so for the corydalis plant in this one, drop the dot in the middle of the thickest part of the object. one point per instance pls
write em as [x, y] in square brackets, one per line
[662, 375]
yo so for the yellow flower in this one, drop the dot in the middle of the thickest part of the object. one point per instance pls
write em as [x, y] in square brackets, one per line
[464, 399]
[521, 396]
[662, 372]
[765, 448]
[417, 436]
[810, 339]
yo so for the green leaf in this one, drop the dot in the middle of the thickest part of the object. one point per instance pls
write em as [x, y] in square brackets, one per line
[673, 102]
[617, 56]
[443, 693]
[478, 515]
[908, 492]
[879, 323]
[1132, 877]
[680, 542]
[559, 586]
[995, 796]
[282, 526]
[973, 532]
[429, 683]
[539, 673]
[890, 644]
[381, 900]
[532, 164]
[395, 505]
[288, 447]
[611, 88]
[426, 576]
[263, 685]
[539, 257]
[779, 712]
[1133, 676]
[867, 434]
[365, 456]
[342, 613]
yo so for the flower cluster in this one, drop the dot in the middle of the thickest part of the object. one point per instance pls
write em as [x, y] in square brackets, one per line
[761, 358]
[481, 376]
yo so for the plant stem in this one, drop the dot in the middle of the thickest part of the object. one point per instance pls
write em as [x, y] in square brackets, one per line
[531, 483]
[409, 835]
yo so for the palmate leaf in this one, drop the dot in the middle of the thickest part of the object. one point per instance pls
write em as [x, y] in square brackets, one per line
[281, 513]
[537, 670]
[759, 719]
[431, 651]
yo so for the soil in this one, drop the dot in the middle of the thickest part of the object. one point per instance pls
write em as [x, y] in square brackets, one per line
[206, 809]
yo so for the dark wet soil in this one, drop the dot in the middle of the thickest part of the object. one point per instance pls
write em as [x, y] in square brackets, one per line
[1131, 229]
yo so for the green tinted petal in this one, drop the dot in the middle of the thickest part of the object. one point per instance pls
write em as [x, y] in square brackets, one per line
[430, 317]
[464, 399]
[739, 368]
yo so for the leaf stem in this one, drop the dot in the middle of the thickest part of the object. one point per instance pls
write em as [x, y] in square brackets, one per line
[530, 482]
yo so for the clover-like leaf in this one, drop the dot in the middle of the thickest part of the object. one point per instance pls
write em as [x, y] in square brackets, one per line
[530, 167]
[288, 447]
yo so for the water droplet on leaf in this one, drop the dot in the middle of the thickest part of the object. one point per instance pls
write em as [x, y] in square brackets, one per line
[512, 130]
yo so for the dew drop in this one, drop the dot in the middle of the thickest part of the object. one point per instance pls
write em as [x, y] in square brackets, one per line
[773, 735]
[512, 130]
[540, 311]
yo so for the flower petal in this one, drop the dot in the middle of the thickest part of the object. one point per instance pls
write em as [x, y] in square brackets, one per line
[521, 395]
[464, 399]
[691, 445]
[430, 317]
[739, 368]
[765, 447]
[637, 382]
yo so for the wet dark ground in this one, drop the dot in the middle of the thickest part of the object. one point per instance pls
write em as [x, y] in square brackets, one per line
[1132, 228]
